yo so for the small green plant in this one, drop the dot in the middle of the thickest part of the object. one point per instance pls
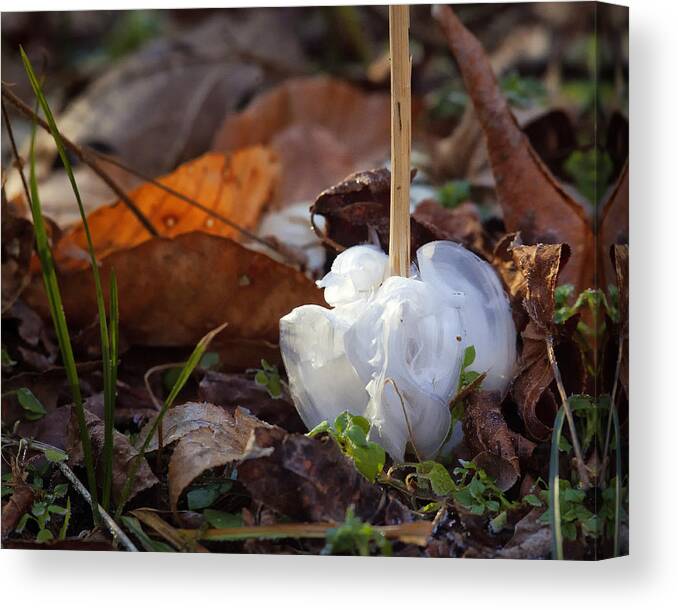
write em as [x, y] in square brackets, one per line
[268, 377]
[574, 514]
[466, 378]
[33, 408]
[350, 433]
[46, 505]
[354, 537]
[453, 193]
[478, 492]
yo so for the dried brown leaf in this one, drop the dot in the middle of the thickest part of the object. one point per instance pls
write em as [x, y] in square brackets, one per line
[488, 434]
[322, 129]
[541, 265]
[532, 200]
[172, 291]
[17, 249]
[231, 390]
[237, 187]
[208, 436]
[301, 478]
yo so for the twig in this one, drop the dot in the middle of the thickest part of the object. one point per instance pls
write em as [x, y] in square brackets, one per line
[203, 208]
[15, 152]
[401, 136]
[581, 465]
[84, 156]
[112, 526]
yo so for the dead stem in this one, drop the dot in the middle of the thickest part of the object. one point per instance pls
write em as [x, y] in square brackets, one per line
[84, 156]
[579, 458]
[401, 136]
[156, 403]
[17, 158]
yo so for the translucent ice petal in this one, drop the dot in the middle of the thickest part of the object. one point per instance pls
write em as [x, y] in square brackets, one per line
[356, 274]
[322, 381]
[450, 268]
[406, 349]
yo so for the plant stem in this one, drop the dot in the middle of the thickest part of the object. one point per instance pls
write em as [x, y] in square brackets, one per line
[554, 487]
[401, 135]
[60, 324]
[579, 457]
[613, 403]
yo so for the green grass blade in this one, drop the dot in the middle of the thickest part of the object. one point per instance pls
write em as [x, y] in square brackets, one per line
[109, 400]
[191, 363]
[618, 481]
[60, 325]
[101, 308]
[554, 487]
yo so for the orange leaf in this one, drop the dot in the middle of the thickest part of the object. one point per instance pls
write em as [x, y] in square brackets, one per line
[237, 186]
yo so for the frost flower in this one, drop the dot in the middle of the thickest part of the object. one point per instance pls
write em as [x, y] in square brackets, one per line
[391, 348]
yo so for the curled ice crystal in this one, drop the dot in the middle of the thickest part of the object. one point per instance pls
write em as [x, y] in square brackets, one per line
[391, 348]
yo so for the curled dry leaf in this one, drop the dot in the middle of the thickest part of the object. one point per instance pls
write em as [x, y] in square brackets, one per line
[208, 436]
[237, 186]
[531, 199]
[461, 224]
[487, 433]
[359, 205]
[230, 390]
[17, 250]
[301, 476]
[123, 454]
[16, 506]
[541, 265]
[322, 128]
[172, 291]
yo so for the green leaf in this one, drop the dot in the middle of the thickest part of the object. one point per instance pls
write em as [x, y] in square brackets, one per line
[321, 428]
[453, 193]
[221, 519]
[498, 523]
[469, 356]
[7, 359]
[44, 536]
[438, 476]
[33, 407]
[533, 500]
[39, 509]
[148, 544]
[210, 360]
[60, 490]
[203, 497]
[574, 495]
[55, 456]
[56, 510]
